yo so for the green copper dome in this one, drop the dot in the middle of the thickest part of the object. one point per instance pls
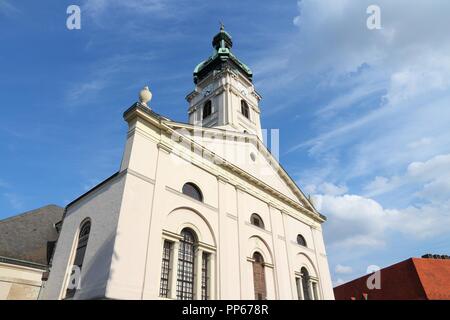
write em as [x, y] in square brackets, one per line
[221, 57]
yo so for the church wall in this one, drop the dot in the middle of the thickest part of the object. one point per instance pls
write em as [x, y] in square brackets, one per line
[102, 207]
[140, 150]
[322, 261]
[229, 270]
[227, 210]
[142, 218]
[172, 211]
[186, 172]
[146, 205]
[282, 259]
[130, 247]
[140, 162]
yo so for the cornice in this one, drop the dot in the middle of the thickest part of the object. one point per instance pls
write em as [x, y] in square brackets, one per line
[164, 147]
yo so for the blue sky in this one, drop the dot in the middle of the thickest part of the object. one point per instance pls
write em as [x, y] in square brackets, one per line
[363, 114]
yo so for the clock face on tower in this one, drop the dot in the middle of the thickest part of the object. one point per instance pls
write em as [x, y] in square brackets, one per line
[206, 91]
[242, 89]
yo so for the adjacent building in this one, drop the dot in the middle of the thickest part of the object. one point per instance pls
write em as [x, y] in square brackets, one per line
[426, 278]
[26, 244]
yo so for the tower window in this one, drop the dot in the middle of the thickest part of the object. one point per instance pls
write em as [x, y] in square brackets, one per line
[192, 191]
[257, 221]
[245, 109]
[207, 109]
[259, 278]
[301, 240]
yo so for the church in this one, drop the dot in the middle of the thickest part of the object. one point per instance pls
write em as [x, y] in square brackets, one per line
[197, 211]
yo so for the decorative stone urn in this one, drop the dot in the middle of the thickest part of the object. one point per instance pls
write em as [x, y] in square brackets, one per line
[145, 96]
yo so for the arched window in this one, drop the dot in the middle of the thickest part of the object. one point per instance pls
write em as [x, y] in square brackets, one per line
[192, 191]
[259, 278]
[245, 109]
[83, 238]
[185, 274]
[207, 109]
[306, 284]
[256, 221]
[301, 240]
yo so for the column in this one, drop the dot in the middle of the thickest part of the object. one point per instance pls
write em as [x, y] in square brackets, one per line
[212, 276]
[173, 275]
[310, 290]
[198, 274]
[300, 288]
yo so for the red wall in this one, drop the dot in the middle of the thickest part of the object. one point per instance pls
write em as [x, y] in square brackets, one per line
[398, 282]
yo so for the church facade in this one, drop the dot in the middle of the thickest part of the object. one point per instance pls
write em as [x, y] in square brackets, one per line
[198, 210]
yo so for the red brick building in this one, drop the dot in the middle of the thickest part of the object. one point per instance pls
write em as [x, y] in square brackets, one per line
[412, 279]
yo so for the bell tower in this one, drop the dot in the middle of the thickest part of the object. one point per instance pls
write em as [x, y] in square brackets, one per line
[224, 96]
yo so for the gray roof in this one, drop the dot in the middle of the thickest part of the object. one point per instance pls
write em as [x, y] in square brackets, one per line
[25, 236]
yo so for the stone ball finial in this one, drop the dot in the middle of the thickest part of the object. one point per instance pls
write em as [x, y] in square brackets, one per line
[145, 96]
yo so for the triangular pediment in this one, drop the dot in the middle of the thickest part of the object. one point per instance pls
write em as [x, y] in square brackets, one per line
[246, 153]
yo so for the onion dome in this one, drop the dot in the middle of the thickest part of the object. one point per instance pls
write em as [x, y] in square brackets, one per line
[222, 57]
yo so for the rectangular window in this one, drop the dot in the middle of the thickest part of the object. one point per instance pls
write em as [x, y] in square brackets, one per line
[205, 276]
[165, 269]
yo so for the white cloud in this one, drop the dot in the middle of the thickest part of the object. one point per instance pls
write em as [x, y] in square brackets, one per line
[437, 190]
[340, 269]
[424, 221]
[326, 188]
[355, 221]
[432, 176]
[332, 189]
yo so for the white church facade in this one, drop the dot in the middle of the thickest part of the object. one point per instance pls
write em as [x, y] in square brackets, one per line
[198, 210]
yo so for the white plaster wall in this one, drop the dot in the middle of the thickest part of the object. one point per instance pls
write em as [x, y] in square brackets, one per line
[102, 207]
[19, 283]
